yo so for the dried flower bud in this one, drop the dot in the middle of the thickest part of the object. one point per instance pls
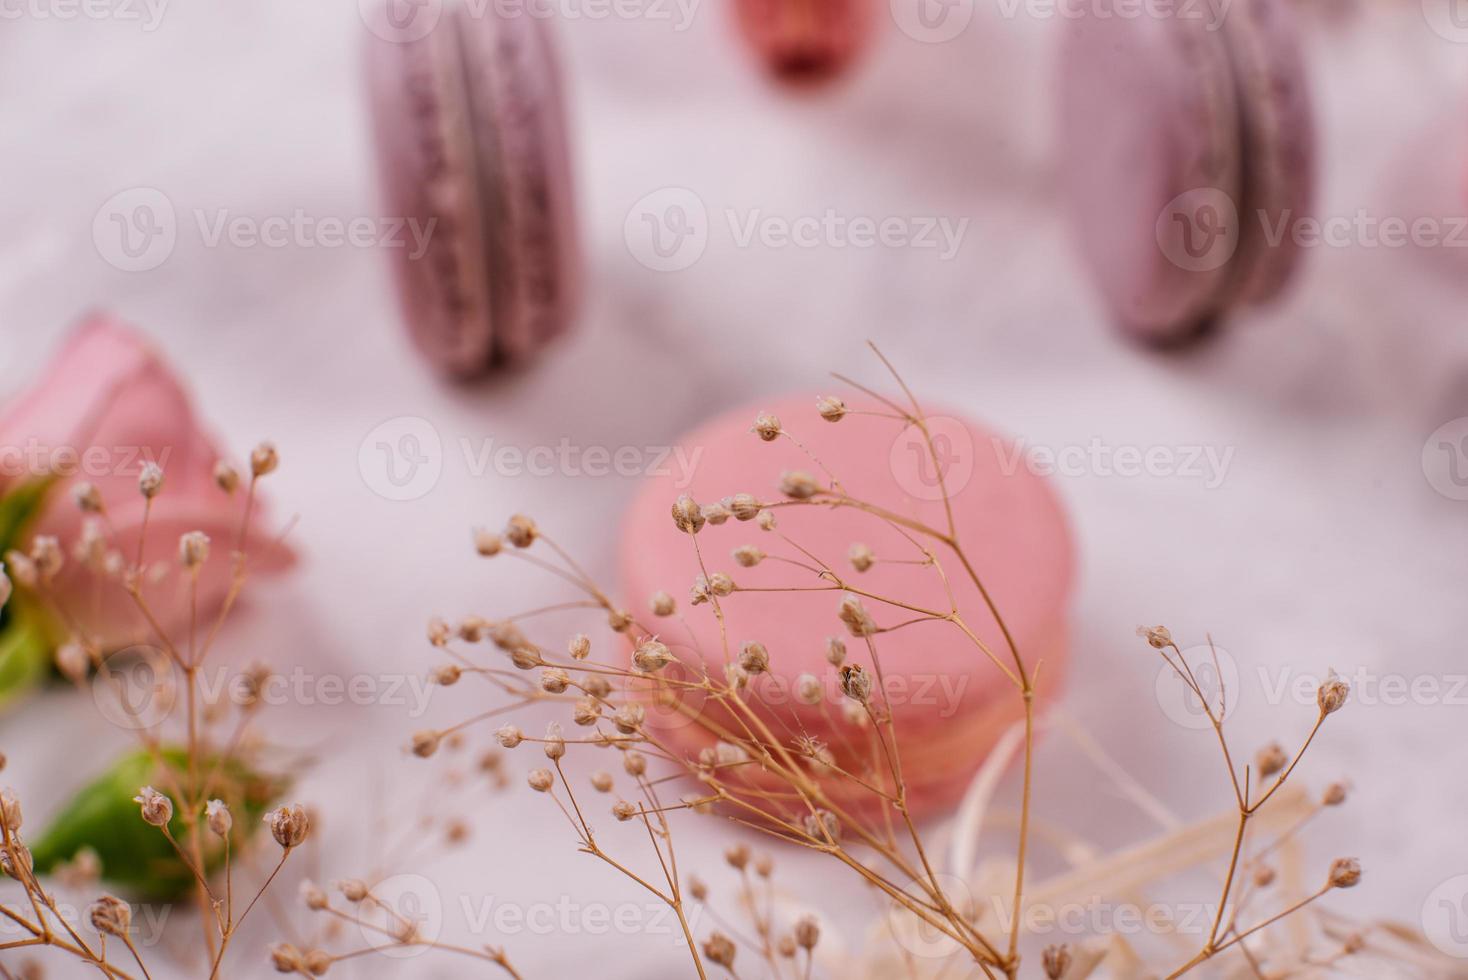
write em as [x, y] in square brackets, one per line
[286, 958]
[47, 554]
[157, 809]
[525, 658]
[509, 736]
[628, 718]
[353, 890]
[193, 549]
[226, 477]
[487, 543]
[317, 962]
[662, 604]
[861, 557]
[1353, 944]
[288, 825]
[313, 896]
[831, 408]
[110, 915]
[623, 810]
[651, 656]
[596, 686]
[445, 675]
[1332, 695]
[697, 888]
[1335, 795]
[747, 556]
[744, 506]
[635, 763]
[150, 480]
[764, 865]
[687, 515]
[554, 680]
[586, 712]
[10, 814]
[808, 689]
[798, 485]
[472, 629]
[766, 520]
[1157, 636]
[716, 513]
[619, 620]
[807, 932]
[720, 584]
[87, 497]
[521, 531]
[22, 568]
[754, 658]
[425, 743]
[601, 781]
[555, 743]
[1345, 873]
[823, 825]
[1271, 759]
[541, 780]
[18, 865]
[858, 621]
[767, 427]
[507, 636]
[1263, 876]
[737, 856]
[73, 662]
[856, 683]
[264, 460]
[217, 816]
[1056, 961]
[439, 632]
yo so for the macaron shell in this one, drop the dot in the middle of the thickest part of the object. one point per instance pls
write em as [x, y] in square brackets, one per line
[949, 700]
[471, 134]
[805, 40]
[1148, 112]
[426, 160]
[526, 179]
[1278, 135]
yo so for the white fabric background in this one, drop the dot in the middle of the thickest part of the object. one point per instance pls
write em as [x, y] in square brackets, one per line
[1325, 546]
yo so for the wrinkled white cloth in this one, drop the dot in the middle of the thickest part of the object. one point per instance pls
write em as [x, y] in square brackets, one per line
[1313, 539]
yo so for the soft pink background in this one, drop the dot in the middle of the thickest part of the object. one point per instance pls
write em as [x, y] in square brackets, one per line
[1325, 546]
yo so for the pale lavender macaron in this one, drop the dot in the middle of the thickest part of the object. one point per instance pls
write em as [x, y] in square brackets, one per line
[471, 137]
[1188, 154]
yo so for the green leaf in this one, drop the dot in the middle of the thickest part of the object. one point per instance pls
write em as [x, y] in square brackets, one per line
[25, 651]
[18, 507]
[136, 857]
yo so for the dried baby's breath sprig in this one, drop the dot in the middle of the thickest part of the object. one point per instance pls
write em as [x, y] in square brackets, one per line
[687, 515]
[1345, 873]
[766, 426]
[1332, 695]
[288, 825]
[754, 658]
[264, 459]
[520, 531]
[541, 780]
[193, 549]
[150, 480]
[579, 647]
[217, 816]
[157, 809]
[425, 742]
[110, 915]
[831, 408]
[651, 656]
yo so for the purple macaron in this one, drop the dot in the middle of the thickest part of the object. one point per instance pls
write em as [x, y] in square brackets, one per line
[471, 140]
[1188, 149]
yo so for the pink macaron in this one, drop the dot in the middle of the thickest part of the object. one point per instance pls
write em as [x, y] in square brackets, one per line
[949, 702]
[1188, 146]
[804, 41]
[471, 139]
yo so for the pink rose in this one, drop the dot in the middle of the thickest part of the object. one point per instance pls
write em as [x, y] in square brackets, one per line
[105, 406]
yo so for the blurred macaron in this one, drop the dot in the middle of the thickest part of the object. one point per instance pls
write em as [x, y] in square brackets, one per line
[805, 41]
[470, 130]
[1188, 153]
